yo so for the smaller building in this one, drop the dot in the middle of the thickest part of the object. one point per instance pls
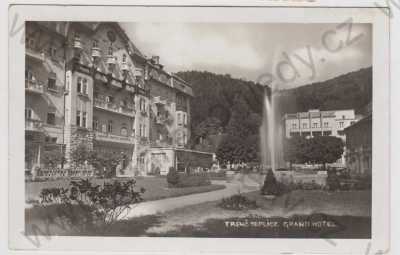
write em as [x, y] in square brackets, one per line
[359, 147]
[160, 160]
[315, 122]
[320, 123]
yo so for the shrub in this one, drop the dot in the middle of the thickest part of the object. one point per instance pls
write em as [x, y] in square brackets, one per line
[220, 175]
[53, 158]
[181, 180]
[193, 180]
[172, 177]
[332, 181]
[237, 202]
[271, 185]
[85, 205]
[363, 183]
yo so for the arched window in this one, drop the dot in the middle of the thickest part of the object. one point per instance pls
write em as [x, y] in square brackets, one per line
[110, 51]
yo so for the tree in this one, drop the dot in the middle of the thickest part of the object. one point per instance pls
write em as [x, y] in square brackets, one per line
[80, 154]
[210, 126]
[53, 158]
[229, 150]
[271, 185]
[173, 177]
[324, 149]
[294, 150]
[237, 125]
[251, 150]
[105, 162]
[235, 149]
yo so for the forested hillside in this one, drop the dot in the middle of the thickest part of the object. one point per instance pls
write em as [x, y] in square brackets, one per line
[233, 107]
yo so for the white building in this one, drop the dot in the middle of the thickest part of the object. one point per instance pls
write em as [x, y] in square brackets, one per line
[316, 122]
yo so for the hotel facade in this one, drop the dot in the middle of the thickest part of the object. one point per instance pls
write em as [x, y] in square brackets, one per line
[87, 83]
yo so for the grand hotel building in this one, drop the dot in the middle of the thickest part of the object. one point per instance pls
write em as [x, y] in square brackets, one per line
[86, 82]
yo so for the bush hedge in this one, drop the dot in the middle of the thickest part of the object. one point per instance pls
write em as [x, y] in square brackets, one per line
[237, 202]
[181, 180]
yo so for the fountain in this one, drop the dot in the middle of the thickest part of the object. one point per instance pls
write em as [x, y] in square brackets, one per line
[271, 134]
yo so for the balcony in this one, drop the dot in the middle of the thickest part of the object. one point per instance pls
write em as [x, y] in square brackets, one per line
[138, 72]
[96, 52]
[107, 137]
[124, 66]
[111, 60]
[77, 44]
[40, 56]
[33, 125]
[111, 107]
[34, 86]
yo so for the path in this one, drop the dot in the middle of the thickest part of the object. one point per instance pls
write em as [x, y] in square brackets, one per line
[240, 183]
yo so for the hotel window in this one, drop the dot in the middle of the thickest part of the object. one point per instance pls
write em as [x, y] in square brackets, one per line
[95, 44]
[104, 128]
[109, 99]
[84, 119]
[294, 125]
[53, 51]
[110, 126]
[124, 103]
[78, 118]
[326, 124]
[28, 114]
[84, 86]
[51, 84]
[304, 125]
[341, 124]
[124, 131]
[79, 85]
[142, 104]
[184, 119]
[184, 139]
[179, 119]
[95, 124]
[179, 138]
[28, 74]
[49, 139]
[343, 117]
[51, 118]
[31, 43]
[315, 125]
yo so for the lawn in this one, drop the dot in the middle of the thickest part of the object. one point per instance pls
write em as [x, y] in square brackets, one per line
[156, 188]
[301, 214]
[350, 210]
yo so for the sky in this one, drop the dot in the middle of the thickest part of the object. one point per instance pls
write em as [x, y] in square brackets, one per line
[281, 55]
